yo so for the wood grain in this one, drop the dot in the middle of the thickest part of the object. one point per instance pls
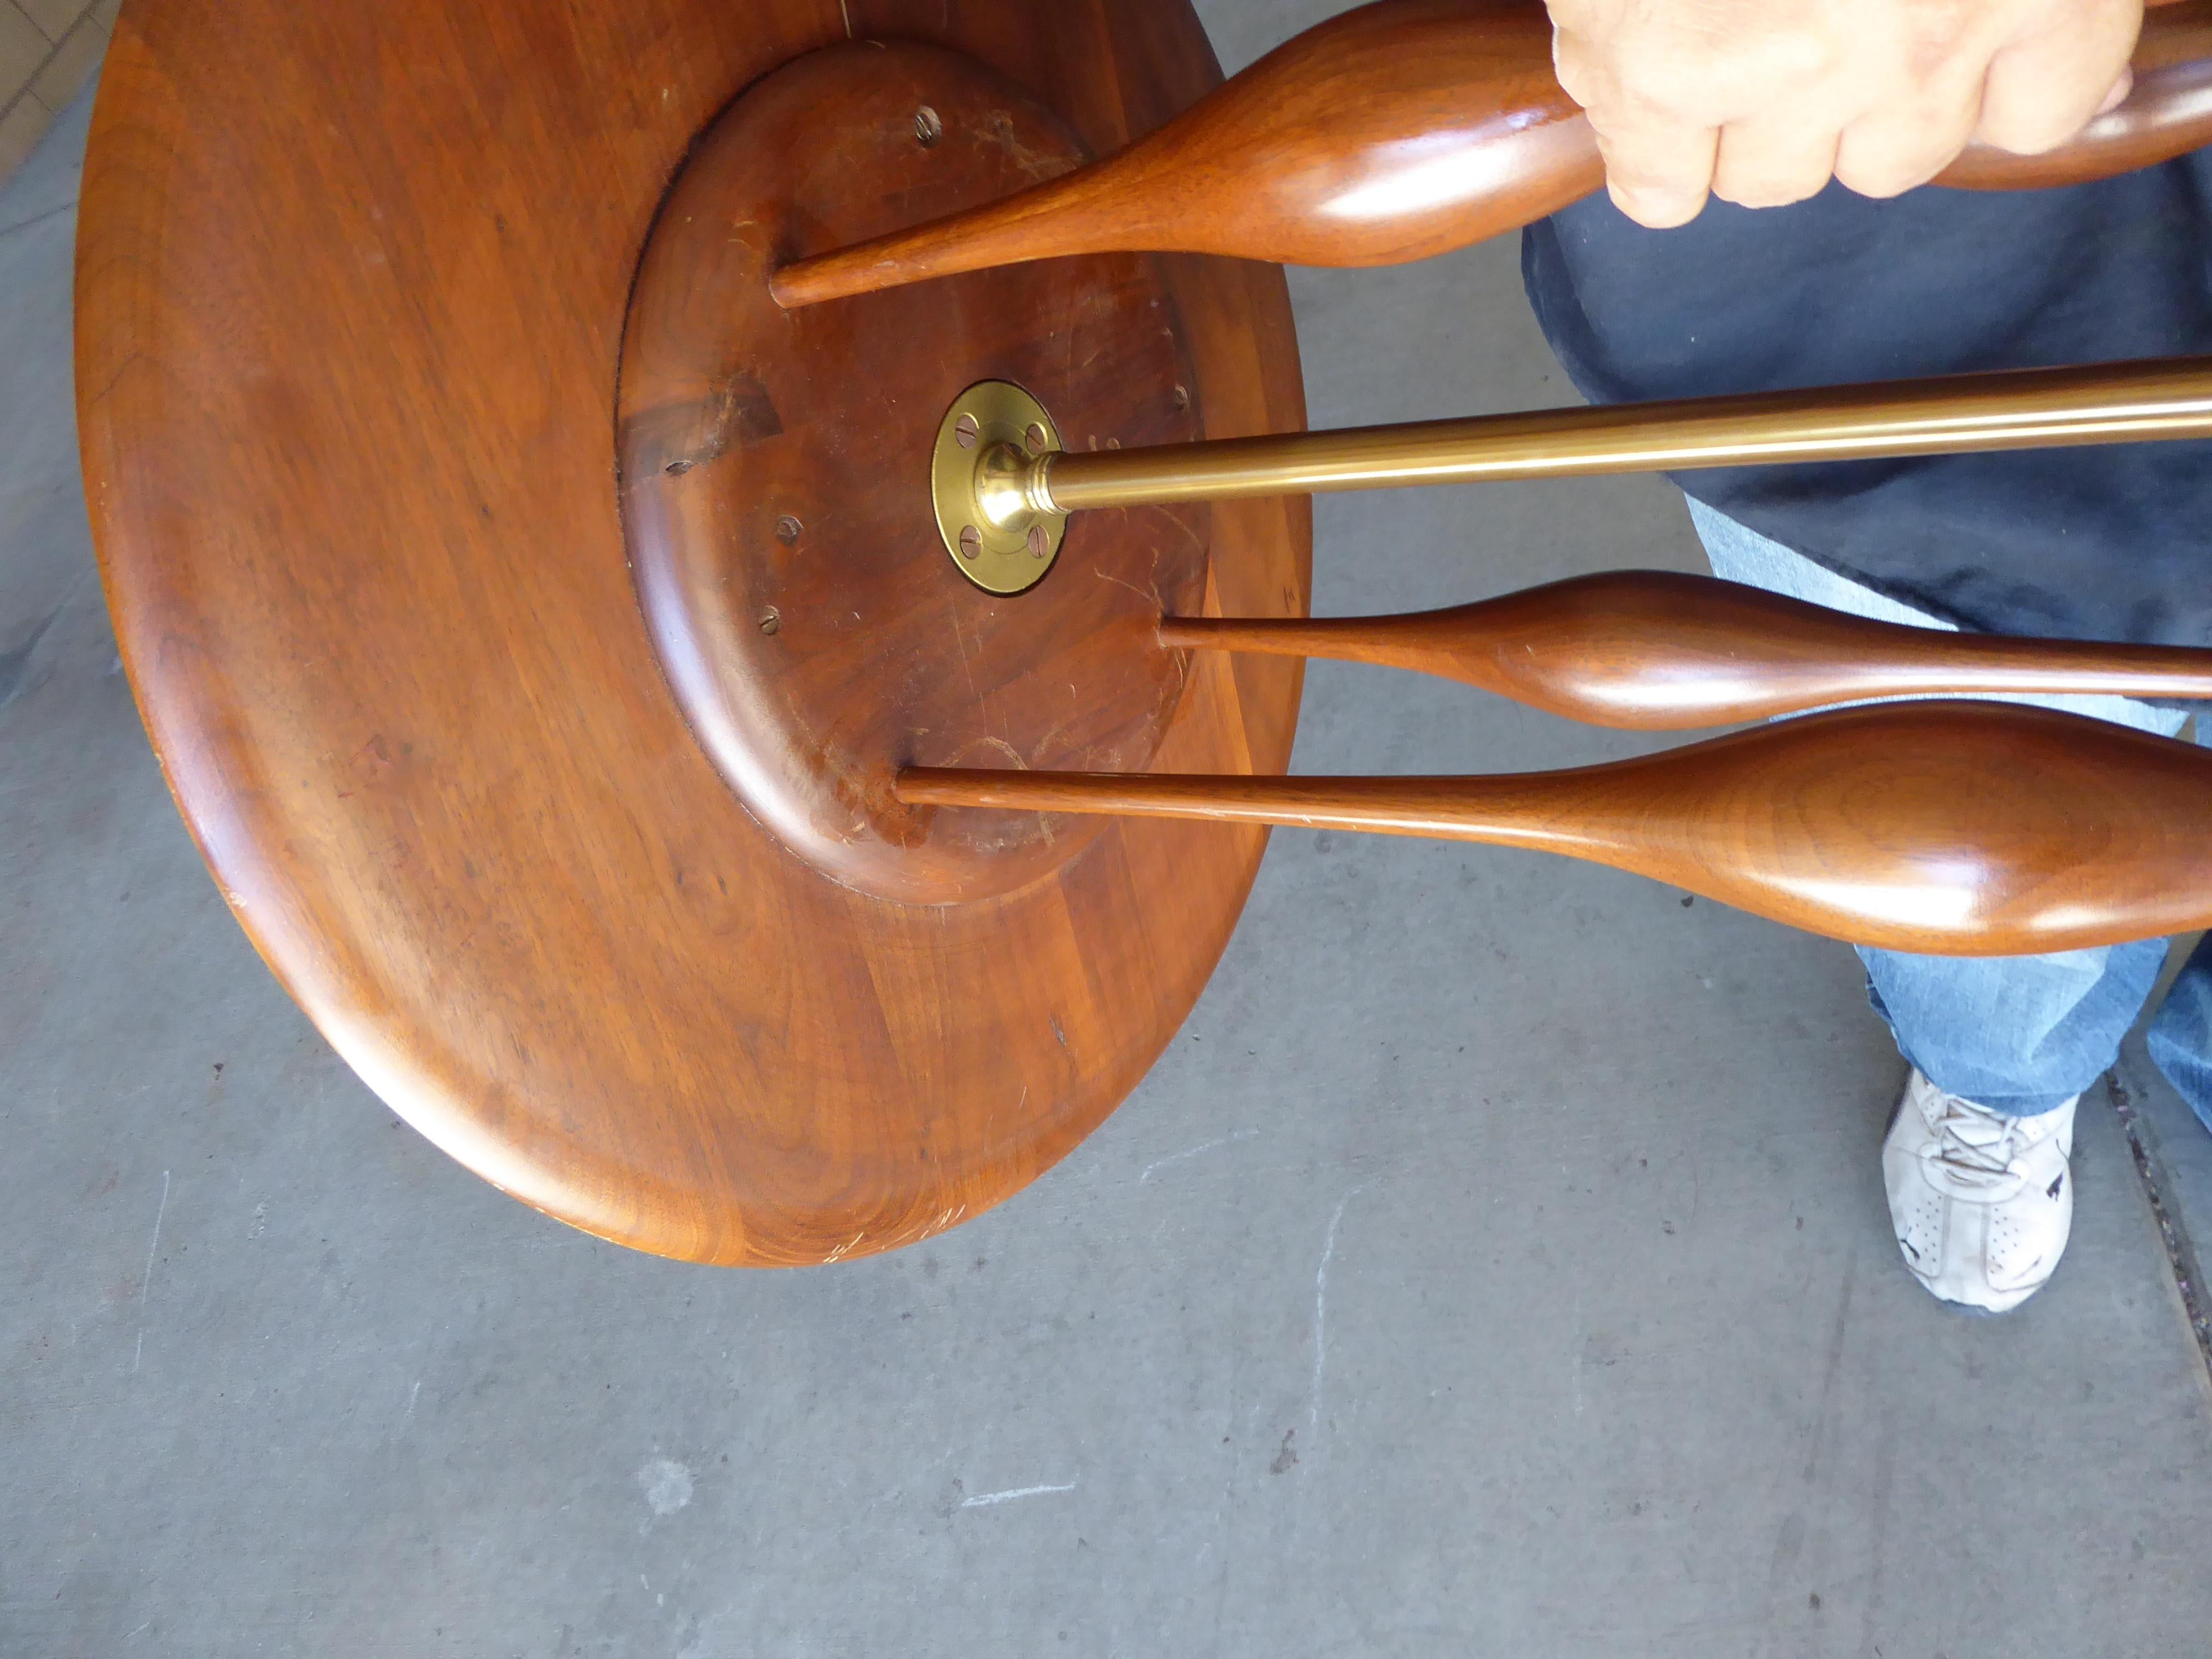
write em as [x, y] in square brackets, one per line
[809, 616]
[1659, 650]
[352, 279]
[1956, 829]
[1408, 128]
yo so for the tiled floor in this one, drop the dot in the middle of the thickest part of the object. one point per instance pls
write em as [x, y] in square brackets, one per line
[48, 49]
[1495, 1265]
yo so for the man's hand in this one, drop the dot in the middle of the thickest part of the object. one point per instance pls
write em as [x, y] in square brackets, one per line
[1761, 103]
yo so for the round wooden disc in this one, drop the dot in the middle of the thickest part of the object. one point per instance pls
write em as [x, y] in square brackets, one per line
[352, 282]
[776, 478]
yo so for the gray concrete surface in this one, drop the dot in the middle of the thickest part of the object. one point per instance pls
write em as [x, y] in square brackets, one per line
[1496, 1264]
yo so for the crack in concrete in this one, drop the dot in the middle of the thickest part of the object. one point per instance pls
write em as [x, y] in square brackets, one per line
[16, 665]
[2180, 1250]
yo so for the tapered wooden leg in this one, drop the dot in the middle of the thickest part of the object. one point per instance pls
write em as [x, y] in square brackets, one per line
[1657, 650]
[1408, 128]
[1958, 829]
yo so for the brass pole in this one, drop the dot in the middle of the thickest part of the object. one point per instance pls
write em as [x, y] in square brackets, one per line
[2021, 408]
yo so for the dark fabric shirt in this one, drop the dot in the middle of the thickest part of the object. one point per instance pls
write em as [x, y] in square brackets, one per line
[2104, 542]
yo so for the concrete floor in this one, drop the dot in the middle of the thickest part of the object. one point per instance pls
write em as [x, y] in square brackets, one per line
[1497, 1264]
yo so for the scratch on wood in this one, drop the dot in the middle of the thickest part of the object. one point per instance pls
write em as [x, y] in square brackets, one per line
[1108, 576]
[1039, 165]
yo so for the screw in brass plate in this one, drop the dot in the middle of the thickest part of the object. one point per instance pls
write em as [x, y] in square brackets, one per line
[966, 430]
[1040, 544]
[771, 620]
[971, 542]
[787, 530]
[928, 127]
[1036, 439]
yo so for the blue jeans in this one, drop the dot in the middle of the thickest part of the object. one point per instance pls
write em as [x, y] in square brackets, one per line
[2016, 1034]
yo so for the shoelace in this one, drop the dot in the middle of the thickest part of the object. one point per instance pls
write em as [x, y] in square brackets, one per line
[1973, 1153]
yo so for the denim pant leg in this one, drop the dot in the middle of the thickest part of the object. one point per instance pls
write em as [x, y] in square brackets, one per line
[2015, 1034]
[2181, 1032]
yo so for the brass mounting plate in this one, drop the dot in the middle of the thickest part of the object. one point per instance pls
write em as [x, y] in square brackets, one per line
[992, 432]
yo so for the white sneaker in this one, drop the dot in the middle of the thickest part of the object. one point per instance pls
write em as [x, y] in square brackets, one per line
[1983, 1203]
